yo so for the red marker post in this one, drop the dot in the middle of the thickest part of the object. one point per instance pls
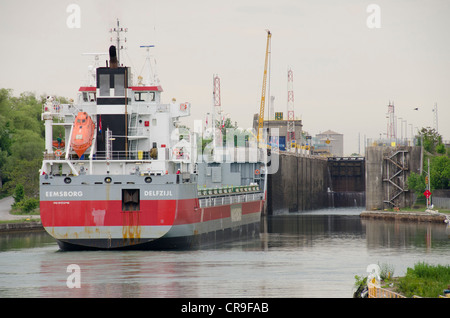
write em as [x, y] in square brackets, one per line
[427, 195]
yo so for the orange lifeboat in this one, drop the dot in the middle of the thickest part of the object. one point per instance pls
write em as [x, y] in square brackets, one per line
[83, 133]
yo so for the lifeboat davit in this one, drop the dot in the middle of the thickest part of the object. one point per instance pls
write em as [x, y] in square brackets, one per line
[83, 133]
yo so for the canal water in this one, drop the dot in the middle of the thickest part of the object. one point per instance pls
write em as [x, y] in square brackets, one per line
[310, 254]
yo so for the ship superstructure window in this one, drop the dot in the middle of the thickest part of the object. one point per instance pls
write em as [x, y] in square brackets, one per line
[144, 96]
[104, 84]
[88, 97]
[140, 97]
[119, 85]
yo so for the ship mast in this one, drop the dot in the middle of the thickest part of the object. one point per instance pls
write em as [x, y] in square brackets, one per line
[118, 30]
[152, 78]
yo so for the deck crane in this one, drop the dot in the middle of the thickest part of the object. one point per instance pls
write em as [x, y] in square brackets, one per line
[263, 94]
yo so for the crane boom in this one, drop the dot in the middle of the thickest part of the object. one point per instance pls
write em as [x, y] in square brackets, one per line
[263, 94]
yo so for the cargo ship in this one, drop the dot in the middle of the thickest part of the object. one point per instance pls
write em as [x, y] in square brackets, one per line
[126, 176]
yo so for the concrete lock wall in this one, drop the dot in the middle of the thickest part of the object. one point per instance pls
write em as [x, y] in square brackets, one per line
[374, 178]
[301, 183]
[310, 182]
[384, 164]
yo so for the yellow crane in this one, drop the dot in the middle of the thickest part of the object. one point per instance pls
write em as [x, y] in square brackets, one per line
[263, 94]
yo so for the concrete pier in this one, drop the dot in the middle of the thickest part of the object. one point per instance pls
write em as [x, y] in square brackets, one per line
[404, 216]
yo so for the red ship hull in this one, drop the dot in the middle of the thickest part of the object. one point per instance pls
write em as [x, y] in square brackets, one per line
[158, 224]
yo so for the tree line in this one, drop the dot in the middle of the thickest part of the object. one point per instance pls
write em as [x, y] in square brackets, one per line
[22, 142]
[439, 156]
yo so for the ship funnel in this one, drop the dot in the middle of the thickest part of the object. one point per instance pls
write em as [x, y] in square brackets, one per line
[113, 62]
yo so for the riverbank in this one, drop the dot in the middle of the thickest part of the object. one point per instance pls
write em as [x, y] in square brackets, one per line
[423, 280]
[417, 216]
[21, 226]
[15, 222]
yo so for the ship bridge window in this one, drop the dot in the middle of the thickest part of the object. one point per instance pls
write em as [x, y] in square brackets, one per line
[104, 84]
[119, 85]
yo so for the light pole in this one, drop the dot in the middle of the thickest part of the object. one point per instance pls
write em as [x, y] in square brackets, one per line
[412, 136]
[406, 131]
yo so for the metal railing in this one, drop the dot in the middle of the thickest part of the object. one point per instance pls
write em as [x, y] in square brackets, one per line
[392, 142]
[225, 200]
[379, 292]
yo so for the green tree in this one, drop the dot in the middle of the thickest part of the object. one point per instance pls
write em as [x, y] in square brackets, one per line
[27, 145]
[22, 167]
[440, 172]
[28, 204]
[430, 138]
[25, 172]
[19, 193]
[416, 183]
[21, 141]
[440, 149]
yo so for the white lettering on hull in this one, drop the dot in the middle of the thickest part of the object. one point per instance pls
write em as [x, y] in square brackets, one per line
[63, 194]
[158, 193]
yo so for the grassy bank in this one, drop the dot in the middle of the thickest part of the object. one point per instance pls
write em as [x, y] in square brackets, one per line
[32, 216]
[26, 219]
[422, 280]
[418, 208]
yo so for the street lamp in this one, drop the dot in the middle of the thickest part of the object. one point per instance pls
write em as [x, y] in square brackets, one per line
[412, 136]
[406, 130]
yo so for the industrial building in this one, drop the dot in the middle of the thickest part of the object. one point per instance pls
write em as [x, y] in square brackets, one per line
[329, 142]
[282, 125]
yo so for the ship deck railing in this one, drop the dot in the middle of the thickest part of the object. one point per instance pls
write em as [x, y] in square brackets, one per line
[119, 155]
[229, 199]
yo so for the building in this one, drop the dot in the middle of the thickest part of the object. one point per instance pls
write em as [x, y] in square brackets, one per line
[280, 123]
[330, 141]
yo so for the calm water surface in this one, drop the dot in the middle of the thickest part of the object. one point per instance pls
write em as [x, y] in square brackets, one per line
[309, 254]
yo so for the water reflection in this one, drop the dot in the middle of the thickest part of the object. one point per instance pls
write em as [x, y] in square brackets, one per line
[310, 227]
[23, 240]
[309, 254]
[398, 235]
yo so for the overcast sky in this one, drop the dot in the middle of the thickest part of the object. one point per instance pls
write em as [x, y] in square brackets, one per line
[345, 72]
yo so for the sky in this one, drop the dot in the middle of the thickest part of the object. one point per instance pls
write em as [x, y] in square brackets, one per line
[349, 58]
